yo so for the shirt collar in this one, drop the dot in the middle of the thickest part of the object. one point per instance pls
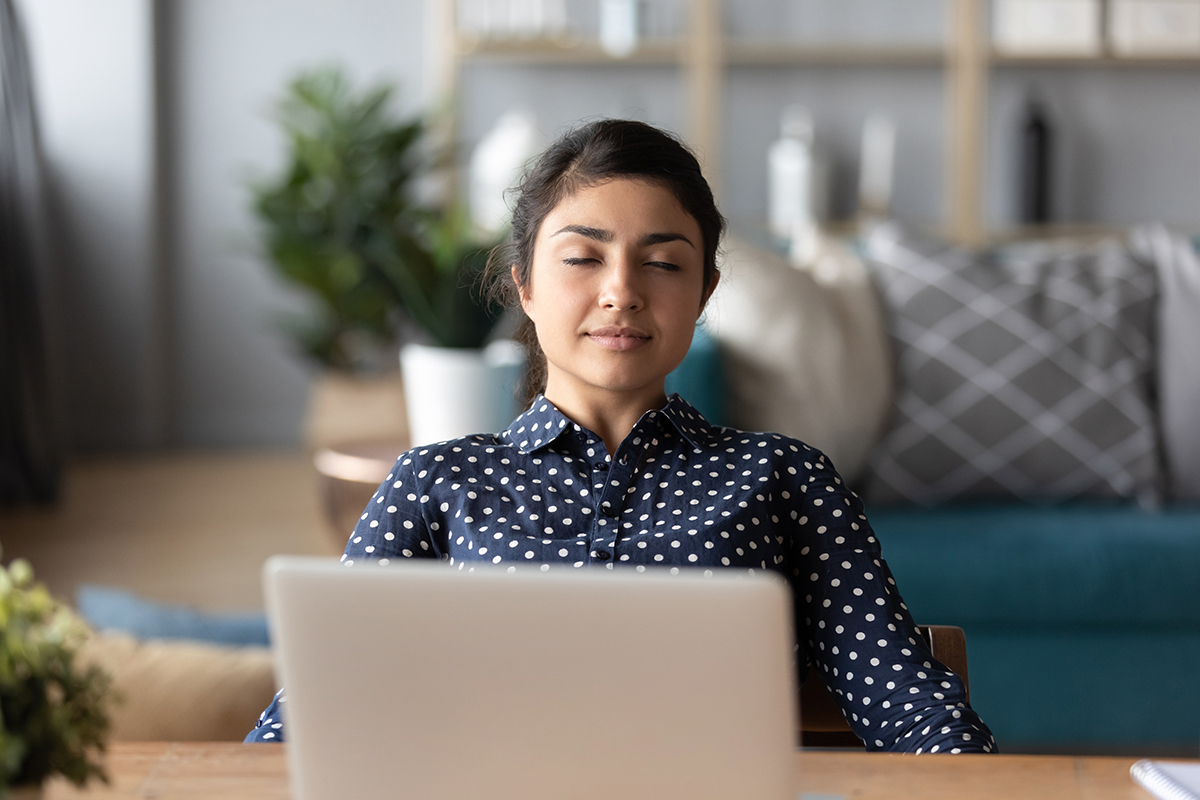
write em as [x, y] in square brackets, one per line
[542, 423]
[690, 423]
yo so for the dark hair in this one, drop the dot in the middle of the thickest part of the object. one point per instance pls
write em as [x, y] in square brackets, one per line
[586, 156]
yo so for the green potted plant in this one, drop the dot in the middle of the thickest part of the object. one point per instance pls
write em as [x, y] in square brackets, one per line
[343, 220]
[53, 713]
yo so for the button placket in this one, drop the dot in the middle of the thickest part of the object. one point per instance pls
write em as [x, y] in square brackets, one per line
[595, 476]
[609, 503]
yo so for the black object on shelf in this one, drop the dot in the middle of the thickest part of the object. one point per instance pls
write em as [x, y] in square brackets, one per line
[1037, 142]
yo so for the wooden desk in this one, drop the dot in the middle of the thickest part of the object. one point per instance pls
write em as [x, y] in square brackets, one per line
[230, 771]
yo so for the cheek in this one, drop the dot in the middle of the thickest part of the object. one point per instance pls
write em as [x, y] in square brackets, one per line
[686, 304]
[546, 307]
[558, 297]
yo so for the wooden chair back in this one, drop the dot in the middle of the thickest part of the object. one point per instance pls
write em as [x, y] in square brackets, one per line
[821, 721]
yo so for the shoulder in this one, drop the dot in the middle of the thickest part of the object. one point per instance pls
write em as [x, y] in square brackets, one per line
[420, 468]
[768, 448]
[464, 450]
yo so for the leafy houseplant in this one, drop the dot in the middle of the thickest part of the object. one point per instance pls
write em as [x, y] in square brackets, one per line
[342, 221]
[53, 717]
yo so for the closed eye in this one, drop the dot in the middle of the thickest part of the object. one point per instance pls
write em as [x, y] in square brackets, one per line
[576, 261]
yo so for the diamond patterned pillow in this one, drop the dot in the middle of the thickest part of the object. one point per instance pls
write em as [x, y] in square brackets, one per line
[1025, 372]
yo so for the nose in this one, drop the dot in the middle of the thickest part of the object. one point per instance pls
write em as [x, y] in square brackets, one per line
[621, 290]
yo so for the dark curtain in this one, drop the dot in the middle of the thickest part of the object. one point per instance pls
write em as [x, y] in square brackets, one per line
[29, 457]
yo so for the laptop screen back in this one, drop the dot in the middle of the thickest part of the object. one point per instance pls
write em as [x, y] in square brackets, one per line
[419, 681]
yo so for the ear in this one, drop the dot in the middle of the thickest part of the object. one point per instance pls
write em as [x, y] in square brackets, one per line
[522, 292]
[708, 293]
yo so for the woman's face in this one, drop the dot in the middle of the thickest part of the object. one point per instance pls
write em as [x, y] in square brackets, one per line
[616, 287]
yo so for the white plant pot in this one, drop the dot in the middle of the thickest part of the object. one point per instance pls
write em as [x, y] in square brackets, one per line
[453, 392]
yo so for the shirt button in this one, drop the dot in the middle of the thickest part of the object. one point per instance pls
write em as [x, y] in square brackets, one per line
[603, 555]
[610, 510]
[600, 465]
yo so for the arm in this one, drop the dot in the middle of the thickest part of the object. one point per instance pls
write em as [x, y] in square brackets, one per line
[392, 526]
[269, 727]
[861, 637]
[394, 523]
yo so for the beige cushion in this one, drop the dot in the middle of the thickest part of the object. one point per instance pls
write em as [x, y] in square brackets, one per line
[804, 349]
[182, 691]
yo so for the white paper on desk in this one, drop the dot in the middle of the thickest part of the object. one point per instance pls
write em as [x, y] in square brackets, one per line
[1168, 780]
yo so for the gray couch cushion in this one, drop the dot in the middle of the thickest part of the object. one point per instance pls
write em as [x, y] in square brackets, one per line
[1025, 372]
[1178, 352]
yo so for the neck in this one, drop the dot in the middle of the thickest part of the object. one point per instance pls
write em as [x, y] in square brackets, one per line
[611, 415]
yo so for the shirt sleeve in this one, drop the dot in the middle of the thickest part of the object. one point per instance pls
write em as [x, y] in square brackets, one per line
[269, 727]
[860, 636]
[394, 523]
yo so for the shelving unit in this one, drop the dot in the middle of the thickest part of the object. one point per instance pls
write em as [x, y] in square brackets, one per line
[565, 51]
[738, 54]
[1105, 60]
[704, 52]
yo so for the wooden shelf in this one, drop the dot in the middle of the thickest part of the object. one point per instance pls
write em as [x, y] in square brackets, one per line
[1056, 230]
[758, 232]
[570, 51]
[566, 51]
[752, 53]
[1106, 60]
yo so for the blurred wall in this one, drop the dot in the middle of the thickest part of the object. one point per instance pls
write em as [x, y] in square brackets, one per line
[93, 73]
[238, 380]
[156, 114]
[1127, 142]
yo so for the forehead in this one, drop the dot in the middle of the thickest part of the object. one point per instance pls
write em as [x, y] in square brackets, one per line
[622, 205]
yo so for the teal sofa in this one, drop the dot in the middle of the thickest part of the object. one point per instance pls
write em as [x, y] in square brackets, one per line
[1082, 621]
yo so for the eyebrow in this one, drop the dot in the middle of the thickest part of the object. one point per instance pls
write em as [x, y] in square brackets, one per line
[601, 235]
[663, 238]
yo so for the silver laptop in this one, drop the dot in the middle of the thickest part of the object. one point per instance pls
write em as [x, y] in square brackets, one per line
[416, 680]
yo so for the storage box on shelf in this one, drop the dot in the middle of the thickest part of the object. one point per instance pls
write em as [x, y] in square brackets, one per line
[1047, 27]
[1154, 27]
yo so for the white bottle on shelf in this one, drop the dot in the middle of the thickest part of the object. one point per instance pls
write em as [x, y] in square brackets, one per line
[876, 167]
[620, 26]
[553, 17]
[496, 165]
[791, 174]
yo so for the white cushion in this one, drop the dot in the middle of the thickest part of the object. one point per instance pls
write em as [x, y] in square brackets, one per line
[805, 349]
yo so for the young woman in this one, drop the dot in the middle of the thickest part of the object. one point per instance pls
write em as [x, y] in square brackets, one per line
[612, 258]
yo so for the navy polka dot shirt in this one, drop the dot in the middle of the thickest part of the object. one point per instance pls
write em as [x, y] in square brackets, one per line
[679, 494]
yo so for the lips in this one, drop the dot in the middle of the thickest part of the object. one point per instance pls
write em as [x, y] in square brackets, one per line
[620, 339]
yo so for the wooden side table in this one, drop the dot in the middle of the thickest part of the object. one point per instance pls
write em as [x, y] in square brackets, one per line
[347, 477]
